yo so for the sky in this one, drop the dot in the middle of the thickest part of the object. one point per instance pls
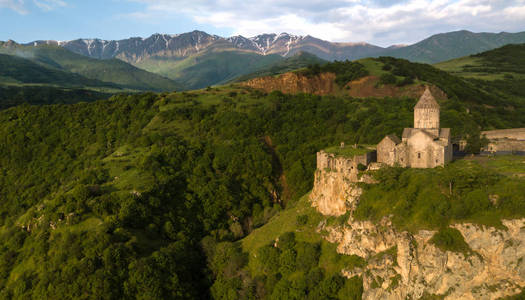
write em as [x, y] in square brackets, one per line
[380, 22]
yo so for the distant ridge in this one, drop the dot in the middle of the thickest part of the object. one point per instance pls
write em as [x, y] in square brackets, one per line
[436, 48]
[446, 46]
[50, 59]
[135, 49]
[197, 59]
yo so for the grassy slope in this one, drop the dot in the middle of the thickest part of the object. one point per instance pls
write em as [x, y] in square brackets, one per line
[113, 70]
[16, 70]
[286, 221]
[25, 81]
[210, 68]
[490, 65]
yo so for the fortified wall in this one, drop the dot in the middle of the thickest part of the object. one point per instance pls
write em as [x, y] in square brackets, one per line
[514, 133]
[334, 187]
[343, 164]
[505, 141]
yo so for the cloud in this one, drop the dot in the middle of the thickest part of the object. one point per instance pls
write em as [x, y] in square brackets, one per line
[378, 21]
[20, 6]
[48, 5]
[16, 5]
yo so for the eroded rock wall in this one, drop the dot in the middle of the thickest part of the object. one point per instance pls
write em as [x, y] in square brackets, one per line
[293, 83]
[334, 192]
[401, 265]
[404, 265]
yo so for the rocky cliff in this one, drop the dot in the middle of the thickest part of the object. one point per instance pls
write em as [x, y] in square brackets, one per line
[293, 83]
[324, 84]
[404, 265]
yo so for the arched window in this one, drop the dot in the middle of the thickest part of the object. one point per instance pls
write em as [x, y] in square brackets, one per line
[419, 155]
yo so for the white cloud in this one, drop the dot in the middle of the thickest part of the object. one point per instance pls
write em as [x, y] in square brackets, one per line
[20, 6]
[16, 5]
[48, 5]
[378, 21]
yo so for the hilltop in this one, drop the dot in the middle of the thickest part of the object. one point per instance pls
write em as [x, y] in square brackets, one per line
[390, 77]
[502, 63]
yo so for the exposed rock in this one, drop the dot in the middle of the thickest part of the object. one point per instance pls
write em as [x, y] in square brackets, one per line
[293, 83]
[324, 84]
[494, 270]
[335, 189]
[404, 265]
[333, 194]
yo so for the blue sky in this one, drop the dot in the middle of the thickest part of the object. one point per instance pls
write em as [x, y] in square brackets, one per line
[381, 22]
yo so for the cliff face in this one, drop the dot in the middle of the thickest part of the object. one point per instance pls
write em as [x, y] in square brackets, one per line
[403, 265]
[333, 192]
[292, 83]
[324, 84]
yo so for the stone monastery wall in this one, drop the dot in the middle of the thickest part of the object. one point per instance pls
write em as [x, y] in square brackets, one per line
[342, 164]
[515, 134]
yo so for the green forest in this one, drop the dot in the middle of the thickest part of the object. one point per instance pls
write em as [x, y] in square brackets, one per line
[152, 195]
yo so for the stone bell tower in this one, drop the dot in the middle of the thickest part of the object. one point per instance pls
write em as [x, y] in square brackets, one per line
[426, 113]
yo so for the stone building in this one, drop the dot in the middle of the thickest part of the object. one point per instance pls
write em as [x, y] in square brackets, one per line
[424, 146]
[505, 141]
[345, 165]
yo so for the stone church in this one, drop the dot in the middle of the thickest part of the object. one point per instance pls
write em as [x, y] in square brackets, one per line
[424, 146]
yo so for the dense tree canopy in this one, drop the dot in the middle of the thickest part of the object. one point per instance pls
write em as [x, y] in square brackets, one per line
[143, 196]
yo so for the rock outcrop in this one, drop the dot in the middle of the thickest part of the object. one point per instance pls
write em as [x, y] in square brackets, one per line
[404, 265]
[333, 192]
[324, 84]
[293, 83]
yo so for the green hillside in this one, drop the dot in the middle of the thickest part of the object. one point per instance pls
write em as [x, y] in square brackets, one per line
[181, 195]
[169, 195]
[445, 46]
[298, 61]
[209, 68]
[110, 71]
[503, 63]
[17, 70]
[498, 72]
[13, 95]
[25, 81]
[409, 196]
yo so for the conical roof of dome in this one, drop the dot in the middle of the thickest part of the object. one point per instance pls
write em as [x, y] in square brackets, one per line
[427, 100]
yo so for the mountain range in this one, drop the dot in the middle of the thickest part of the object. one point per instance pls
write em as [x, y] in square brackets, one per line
[434, 49]
[197, 59]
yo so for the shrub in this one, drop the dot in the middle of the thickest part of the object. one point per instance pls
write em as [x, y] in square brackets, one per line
[286, 241]
[406, 81]
[352, 289]
[387, 79]
[307, 255]
[302, 220]
[450, 239]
